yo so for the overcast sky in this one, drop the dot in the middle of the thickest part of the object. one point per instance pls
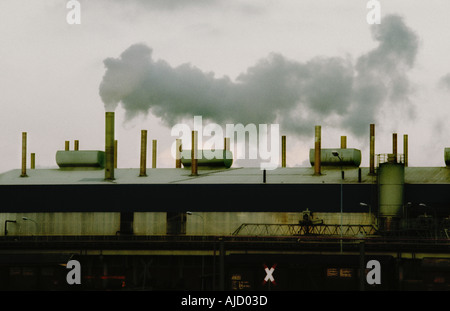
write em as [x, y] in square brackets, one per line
[296, 63]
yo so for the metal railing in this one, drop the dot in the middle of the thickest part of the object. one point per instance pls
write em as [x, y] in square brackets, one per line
[254, 229]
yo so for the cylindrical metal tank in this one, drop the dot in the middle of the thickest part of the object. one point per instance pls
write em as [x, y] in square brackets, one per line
[349, 157]
[447, 156]
[391, 180]
[85, 158]
[210, 158]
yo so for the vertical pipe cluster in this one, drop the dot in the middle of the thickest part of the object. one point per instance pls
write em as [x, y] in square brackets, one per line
[372, 149]
[194, 171]
[317, 151]
[24, 155]
[109, 146]
[283, 151]
[143, 166]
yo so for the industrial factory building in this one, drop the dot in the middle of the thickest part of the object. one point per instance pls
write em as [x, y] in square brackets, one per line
[206, 225]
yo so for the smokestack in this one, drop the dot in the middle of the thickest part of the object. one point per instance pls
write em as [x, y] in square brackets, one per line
[372, 150]
[317, 151]
[67, 145]
[405, 149]
[154, 154]
[24, 155]
[226, 143]
[33, 160]
[394, 146]
[343, 142]
[178, 153]
[283, 151]
[109, 146]
[143, 171]
[115, 153]
[76, 145]
[194, 154]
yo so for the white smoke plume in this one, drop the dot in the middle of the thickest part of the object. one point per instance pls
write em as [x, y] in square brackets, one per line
[297, 95]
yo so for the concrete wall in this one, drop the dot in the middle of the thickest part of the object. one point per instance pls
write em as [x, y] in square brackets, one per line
[70, 223]
[147, 223]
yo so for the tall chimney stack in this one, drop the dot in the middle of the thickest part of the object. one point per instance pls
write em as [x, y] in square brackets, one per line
[372, 150]
[24, 155]
[194, 154]
[33, 161]
[394, 146]
[226, 143]
[317, 152]
[343, 142]
[178, 153]
[283, 151]
[143, 170]
[115, 153]
[405, 149]
[109, 146]
[154, 153]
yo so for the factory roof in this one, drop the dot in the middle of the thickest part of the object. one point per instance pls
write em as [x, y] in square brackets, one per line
[233, 175]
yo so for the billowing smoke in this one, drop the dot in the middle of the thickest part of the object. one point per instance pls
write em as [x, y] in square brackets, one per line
[444, 82]
[325, 90]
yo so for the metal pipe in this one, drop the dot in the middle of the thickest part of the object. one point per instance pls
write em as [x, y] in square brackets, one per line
[154, 153]
[115, 153]
[143, 171]
[226, 143]
[76, 145]
[109, 145]
[178, 153]
[405, 149]
[372, 149]
[194, 171]
[33, 160]
[317, 148]
[283, 151]
[67, 145]
[24, 155]
[394, 146]
[226, 147]
[343, 142]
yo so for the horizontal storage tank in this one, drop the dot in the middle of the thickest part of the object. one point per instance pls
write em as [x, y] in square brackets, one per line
[447, 156]
[349, 157]
[210, 158]
[80, 158]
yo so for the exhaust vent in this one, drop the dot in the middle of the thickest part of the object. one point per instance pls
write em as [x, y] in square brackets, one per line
[109, 145]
